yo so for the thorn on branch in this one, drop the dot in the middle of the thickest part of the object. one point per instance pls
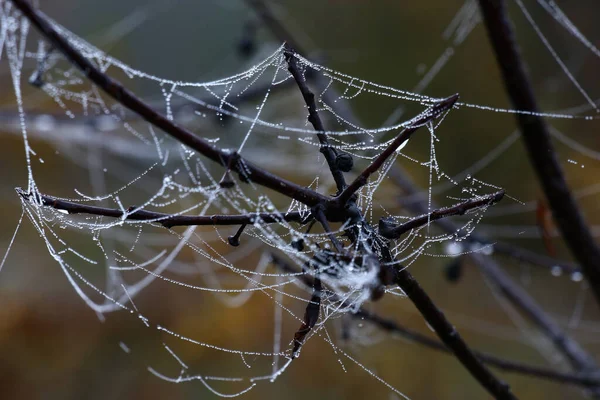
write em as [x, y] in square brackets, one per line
[233, 162]
[235, 239]
[298, 244]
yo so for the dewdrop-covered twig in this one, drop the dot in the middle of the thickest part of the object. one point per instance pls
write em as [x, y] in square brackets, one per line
[391, 231]
[166, 220]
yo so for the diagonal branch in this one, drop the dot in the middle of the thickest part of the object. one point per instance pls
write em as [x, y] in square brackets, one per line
[450, 336]
[246, 169]
[579, 358]
[418, 205]
[166, 220]
[314, 118]
[280, 31]
[419, 338]
[539, 146]
[424, 118]
[394, 232]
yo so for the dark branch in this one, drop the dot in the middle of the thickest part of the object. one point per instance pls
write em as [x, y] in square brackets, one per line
[419, 338]
[128, 99]
[539, 146]
[580, 359]
[320, 216]
[424, 118]
[313, 117]
[418, 205]
[311, 316]
[166, 220]
[450, 336]
[394, 232]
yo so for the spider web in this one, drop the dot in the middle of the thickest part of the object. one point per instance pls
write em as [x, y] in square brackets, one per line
[127, 165]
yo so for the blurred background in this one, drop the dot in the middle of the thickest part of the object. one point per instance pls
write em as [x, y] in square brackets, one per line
[52, 346]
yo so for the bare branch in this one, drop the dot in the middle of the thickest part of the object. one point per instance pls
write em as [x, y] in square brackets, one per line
[450, 336]
[394, 232]
[539, 146]
[112, 87]
[580, 359]
[418, 205]
[424, 118]
[393, 327]
[313, 117]
[166, 220]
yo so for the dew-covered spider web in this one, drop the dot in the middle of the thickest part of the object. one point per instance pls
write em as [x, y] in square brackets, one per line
[107, 157]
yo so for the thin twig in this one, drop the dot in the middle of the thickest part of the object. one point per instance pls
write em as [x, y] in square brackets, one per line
[536, 136]
[424, 118]
[418, 205]
[320, 216]
[166, 220]
[313, 117]
[329, 95]
[394, 232]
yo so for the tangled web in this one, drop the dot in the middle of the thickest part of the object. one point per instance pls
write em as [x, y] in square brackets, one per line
[153, 209]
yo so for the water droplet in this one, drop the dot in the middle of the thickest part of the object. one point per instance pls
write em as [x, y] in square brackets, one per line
[556, 270]
[576, 276]
[44, 123]
[453, 248]
[106, 123]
